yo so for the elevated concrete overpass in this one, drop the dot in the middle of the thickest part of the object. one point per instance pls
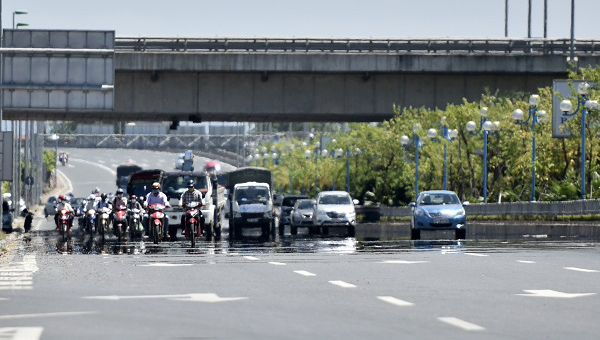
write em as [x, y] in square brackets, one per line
[296, 80]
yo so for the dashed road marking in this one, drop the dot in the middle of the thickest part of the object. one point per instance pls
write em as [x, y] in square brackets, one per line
[525, 261]
[342, 284]
[395, 301]
[251, 258]
[43, 315]
[166, 265]
[476, 254]
[277, 263]
[582, 270]
[465, 325]
[553, 294]
[403, 262]
[304, 272]
[21, 333]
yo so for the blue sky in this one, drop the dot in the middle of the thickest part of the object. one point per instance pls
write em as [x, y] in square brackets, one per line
[307, 18]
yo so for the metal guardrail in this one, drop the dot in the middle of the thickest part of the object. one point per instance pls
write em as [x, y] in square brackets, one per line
[396, 46]
[581, 207]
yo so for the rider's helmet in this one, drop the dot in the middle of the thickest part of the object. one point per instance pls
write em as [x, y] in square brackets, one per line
[155, 187]
[91, 198]
[96, 191]
[191, 184]
[62, 198]
[103, 197]
[133, 198]
[119, 192]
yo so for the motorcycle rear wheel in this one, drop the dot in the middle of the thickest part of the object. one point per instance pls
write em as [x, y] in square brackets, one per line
[192, 232]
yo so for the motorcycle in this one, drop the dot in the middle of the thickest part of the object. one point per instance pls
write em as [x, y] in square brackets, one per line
[103, 217]
[64, 226]
[120, 221]
[135, 216]
[155, 220]
[90, 221]
[193, 218]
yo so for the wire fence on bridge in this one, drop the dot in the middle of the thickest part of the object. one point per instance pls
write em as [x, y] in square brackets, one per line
[399, 46]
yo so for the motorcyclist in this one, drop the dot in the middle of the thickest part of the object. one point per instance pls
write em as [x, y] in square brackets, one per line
[119, 198]
[189, 196]
[157, 197]
[103, 203]
[96, 192]
[63, 204]
[132, 204]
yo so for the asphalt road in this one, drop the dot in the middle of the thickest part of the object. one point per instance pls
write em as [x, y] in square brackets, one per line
[291, 288]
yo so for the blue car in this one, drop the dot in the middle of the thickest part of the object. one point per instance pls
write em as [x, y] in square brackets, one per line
[438, 210]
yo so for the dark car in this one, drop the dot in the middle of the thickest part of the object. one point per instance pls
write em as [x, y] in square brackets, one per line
[287, 204]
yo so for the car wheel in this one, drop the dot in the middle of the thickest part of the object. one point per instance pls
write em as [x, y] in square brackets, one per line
[294, 230]
[461, 234]
[351, 231]
[281, 228]
[415, 234]
[325, 231]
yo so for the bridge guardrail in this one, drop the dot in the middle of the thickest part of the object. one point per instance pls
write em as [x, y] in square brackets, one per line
[405, 46]
[580, 207]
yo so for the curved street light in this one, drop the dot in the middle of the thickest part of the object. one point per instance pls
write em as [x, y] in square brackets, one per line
[585, 104]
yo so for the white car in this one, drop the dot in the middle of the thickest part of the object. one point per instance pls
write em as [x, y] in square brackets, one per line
[335, 209]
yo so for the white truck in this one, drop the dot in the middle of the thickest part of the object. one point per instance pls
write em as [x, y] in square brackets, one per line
[251, 201]
[175, 183]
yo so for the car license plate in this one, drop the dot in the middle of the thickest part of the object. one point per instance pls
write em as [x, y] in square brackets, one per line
[252, 220]
[441, 220]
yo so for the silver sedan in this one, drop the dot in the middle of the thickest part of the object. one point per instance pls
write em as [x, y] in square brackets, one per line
[302, 215]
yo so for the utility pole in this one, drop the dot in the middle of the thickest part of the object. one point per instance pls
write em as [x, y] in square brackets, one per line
[545, 19]
[529, 21]
[506, 18]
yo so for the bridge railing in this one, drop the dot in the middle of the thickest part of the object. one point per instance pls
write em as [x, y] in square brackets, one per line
[399, 46]
[580, 207]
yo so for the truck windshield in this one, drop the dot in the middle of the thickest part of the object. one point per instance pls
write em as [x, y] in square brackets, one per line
[251, 195]
[174, 186]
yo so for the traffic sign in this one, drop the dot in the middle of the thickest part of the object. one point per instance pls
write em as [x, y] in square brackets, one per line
[29, 180]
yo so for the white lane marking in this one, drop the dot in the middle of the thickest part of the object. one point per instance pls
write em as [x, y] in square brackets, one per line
[43, 315]
[4, 299]
[16, 283]
[342, 284]
[251, 258]
[553, 294]
[16, 287]
[582, 270]
[113, 172]
[101, 161]
[475, 254]
[69, 183]
[166, 265]
[277, 263]
[21, 333]
[403, 262]
[15, 278]
[304, 272]
[467, 326]
[195, 297]
[524, 261]
[395, 301]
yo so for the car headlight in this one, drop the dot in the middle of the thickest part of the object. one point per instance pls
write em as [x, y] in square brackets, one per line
[237, 214]
[420, 212]
[268, 214]
[321, 214]
[460, 212]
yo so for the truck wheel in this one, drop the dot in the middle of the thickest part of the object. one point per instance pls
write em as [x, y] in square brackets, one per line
[238, 231]
[266, 231]
[351, 231]
[325, 231]
[281, 228]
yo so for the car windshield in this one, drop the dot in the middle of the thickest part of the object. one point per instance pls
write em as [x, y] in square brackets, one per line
[289, 201]
[251, 194]
[335, 199]
[438, 199]
[305, 205]
[174, 186]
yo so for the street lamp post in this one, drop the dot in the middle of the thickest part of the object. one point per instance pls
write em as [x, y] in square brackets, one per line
[585, 104]
[55, 138]
[487, 126]
[447, 135]
[535, 116]
[13, 19]
[416, 141]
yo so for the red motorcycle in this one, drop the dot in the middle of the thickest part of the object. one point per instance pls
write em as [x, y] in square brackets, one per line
[156, 217]
[120, 221]
[193, 218]
[64, 225]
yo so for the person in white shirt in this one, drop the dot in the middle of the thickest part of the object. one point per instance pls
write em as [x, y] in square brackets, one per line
[63, 204]
[157, 197]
